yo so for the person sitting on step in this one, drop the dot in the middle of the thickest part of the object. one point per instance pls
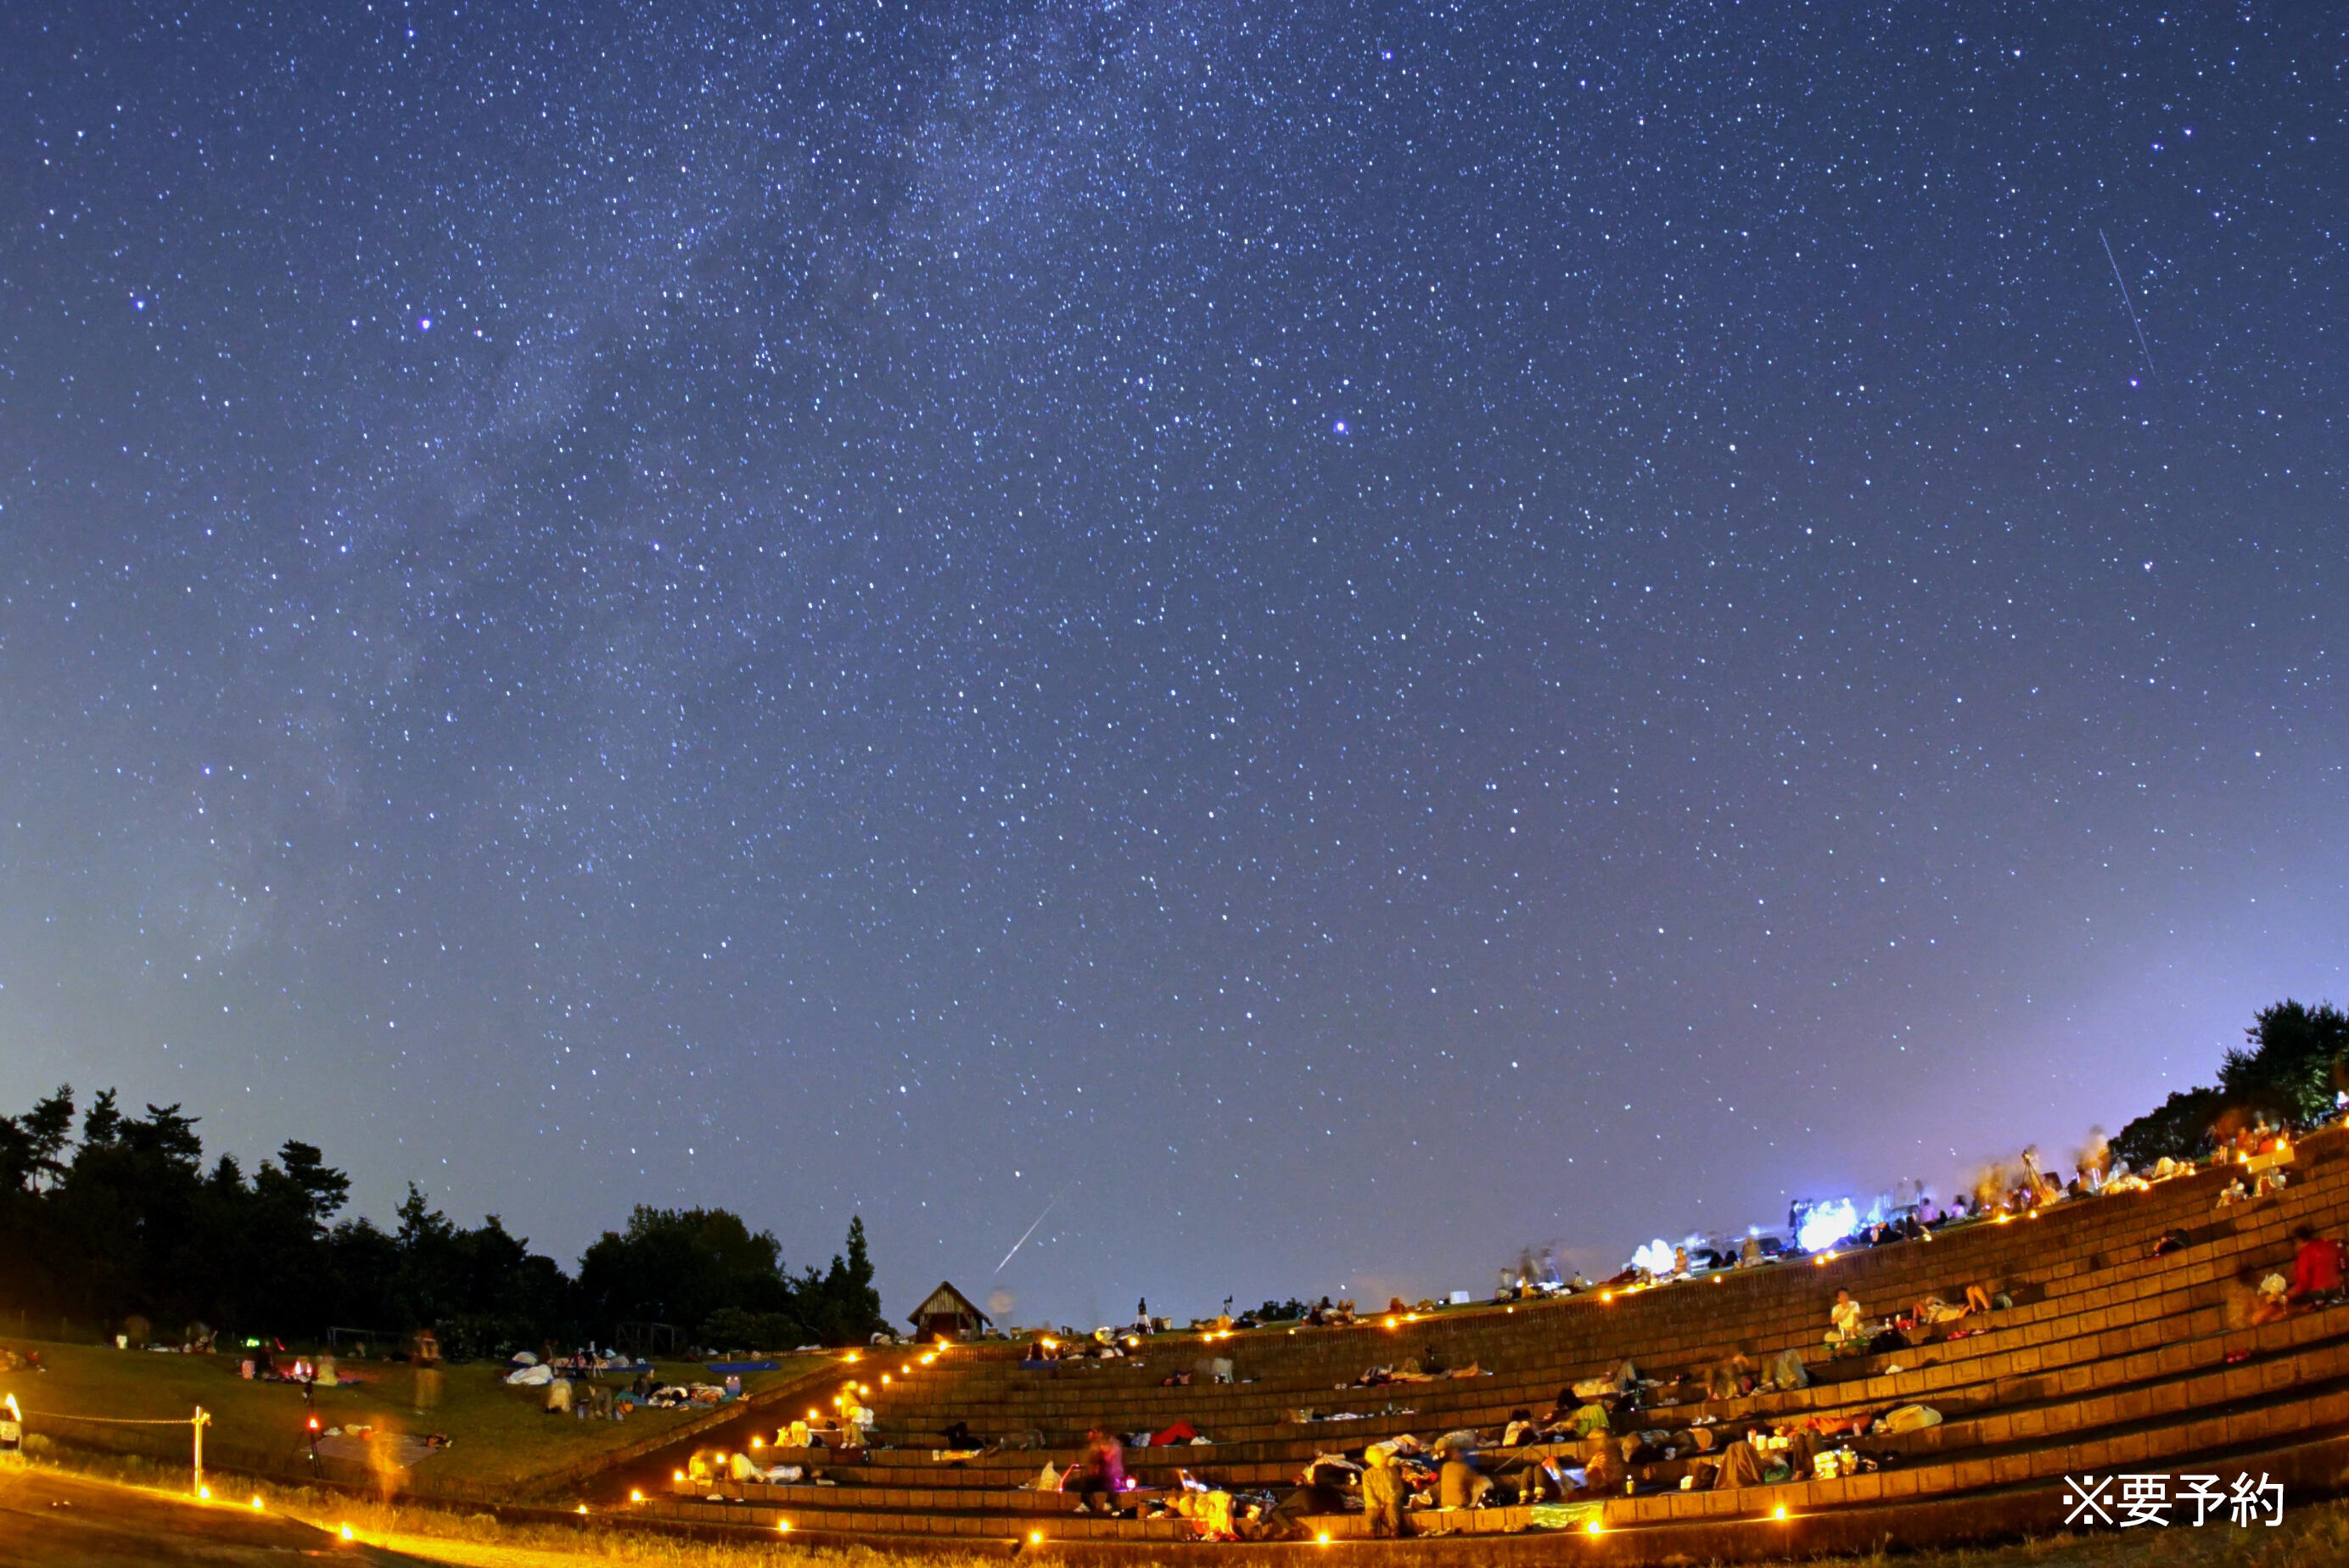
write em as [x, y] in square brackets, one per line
[1458, 1482]
[2315, 1267]
[1731, 1379]
[1846, 1323]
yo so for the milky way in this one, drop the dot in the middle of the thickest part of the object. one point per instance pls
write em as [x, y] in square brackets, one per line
[1359, 637]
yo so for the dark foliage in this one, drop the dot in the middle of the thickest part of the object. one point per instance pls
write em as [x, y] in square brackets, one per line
[680, 1266]
[2180, 1129]
[2288, 1072]
[841, 1307]
[125, 1221]
[731, 1329]
[704, 1270]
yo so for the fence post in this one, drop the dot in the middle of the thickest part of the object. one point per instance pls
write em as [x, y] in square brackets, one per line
[199, 1423]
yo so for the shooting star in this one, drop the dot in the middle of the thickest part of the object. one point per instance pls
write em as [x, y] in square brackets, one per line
[1031, 1230]
[2142, 347]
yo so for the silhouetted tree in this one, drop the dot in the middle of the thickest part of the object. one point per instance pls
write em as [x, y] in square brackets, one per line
[126, 1220]
[2288, 1070]
[843, 1308]
[680, 1266]
[2180, 1129]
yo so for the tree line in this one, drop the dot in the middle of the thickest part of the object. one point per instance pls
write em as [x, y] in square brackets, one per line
[2294, 1059]
[109, 1215]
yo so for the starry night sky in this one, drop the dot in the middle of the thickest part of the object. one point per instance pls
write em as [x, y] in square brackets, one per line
[1347, 638]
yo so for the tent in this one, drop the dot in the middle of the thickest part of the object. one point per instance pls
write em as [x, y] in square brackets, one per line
[947, 1311]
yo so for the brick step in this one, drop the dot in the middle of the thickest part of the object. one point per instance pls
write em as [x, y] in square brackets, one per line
[1521, 1389]
[2109, 1360]
[2192, 1309]
[2298, 1352]
[2052, 1384]
[2153, 1443]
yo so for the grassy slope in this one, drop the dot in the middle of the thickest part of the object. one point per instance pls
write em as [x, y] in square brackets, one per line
[502, 1439]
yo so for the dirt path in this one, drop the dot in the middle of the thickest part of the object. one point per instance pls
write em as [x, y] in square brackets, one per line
[52, 1520]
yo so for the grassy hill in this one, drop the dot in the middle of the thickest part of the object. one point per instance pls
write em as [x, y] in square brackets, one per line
[502, 1447]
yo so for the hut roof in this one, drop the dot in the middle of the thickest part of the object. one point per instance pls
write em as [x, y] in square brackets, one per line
[948, 1302]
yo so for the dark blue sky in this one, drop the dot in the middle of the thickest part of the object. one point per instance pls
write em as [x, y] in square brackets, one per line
[1354, 637]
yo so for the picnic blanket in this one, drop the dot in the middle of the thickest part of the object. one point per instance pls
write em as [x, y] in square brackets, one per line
[372, 1447]
[1566, 1515]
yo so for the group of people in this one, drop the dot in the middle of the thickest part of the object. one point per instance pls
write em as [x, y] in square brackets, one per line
[1587, 1446]
[572, 1391]
[1602, 1435]
[1047, 1351]
[1425, 1367]
[2255, 1147]
[1852, 1332]
[2006, 1192]
[706, 1466]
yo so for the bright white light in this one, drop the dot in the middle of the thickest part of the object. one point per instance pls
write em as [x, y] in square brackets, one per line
[1655, 1257]
[1827, 1224]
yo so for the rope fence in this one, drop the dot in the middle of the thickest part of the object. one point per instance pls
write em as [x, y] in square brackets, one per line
[195, 1423]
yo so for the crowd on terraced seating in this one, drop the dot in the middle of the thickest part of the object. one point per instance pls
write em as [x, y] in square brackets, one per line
[1587, 1449]
[1809, 1397]
[1815, 1391]
[1622, 1431]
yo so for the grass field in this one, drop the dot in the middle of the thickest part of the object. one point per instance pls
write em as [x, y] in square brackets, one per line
[501, 1438]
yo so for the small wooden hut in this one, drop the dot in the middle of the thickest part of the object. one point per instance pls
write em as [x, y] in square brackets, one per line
[947, 1311]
